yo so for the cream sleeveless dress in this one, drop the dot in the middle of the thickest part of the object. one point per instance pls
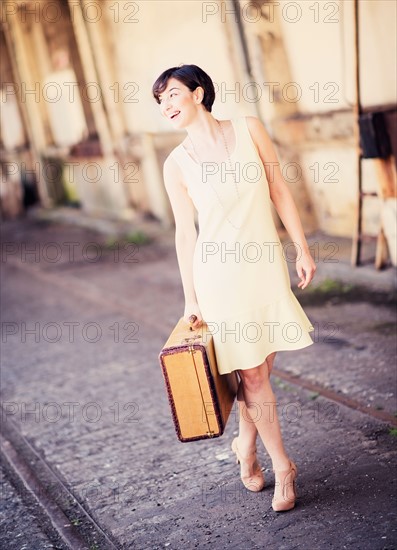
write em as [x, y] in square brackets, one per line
[240, 272]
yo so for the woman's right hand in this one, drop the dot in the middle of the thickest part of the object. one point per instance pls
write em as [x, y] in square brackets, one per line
[192, 308]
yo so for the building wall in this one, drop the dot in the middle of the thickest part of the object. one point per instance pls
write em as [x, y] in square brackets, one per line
[168, 34]
[308, 49]
[243, 46]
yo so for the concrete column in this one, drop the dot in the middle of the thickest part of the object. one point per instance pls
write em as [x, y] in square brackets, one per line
[90, 74]
[30, 109]
[101, 52]
[269, 60]
[39, 63]
[154, 181]
[269, 63]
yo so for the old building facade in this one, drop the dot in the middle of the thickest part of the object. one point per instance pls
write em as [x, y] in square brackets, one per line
[79, 126]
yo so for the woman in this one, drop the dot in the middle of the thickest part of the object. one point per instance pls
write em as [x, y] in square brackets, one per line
[234, 273]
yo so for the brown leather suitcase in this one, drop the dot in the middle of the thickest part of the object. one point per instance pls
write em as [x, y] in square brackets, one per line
[200, 398]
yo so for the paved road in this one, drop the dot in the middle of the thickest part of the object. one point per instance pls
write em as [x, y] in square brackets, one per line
[81, 382]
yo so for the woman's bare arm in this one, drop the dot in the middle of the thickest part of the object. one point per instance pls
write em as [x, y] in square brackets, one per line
[185, 233]
[283, 200]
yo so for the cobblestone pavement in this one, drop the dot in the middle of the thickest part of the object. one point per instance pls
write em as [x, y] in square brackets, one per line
[81, 382]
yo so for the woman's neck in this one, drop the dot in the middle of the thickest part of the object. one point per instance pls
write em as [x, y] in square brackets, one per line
[204, 127]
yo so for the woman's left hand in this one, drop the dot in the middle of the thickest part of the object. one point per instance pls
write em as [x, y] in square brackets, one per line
[305, 267]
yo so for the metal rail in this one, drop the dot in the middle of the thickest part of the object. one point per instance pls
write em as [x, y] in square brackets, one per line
[74, 525]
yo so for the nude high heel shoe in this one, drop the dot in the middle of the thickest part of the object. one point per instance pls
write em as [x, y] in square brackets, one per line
[285, 481]
[256, 482]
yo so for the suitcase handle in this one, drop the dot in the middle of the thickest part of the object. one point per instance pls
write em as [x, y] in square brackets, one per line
[192, 319]
[191, 338]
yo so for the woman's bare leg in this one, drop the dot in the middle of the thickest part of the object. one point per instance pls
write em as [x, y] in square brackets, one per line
[260, 407]
[247, 427]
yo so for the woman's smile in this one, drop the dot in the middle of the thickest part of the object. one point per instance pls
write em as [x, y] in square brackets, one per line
[174, 115]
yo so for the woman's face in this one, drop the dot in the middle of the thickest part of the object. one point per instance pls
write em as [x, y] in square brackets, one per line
[177, 103]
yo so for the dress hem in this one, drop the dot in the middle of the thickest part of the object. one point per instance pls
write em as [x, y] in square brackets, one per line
[272, 350]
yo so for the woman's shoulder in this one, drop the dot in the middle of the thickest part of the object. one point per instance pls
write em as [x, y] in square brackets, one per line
[173, 155]
[257, 129]
[171, 161]
[251, 123]
[172, 170]
[246, 119]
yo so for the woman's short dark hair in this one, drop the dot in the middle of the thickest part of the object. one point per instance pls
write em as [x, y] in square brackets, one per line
[192, 77]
